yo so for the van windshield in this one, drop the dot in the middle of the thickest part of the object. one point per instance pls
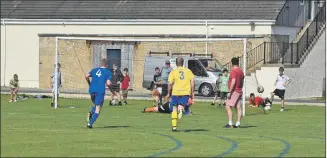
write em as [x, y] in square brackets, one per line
[210, 65]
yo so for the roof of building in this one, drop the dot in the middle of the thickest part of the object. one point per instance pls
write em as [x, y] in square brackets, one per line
[142, 9]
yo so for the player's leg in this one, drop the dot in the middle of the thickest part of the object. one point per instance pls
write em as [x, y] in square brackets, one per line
[112, 95]
[11, 95]
[99, 98]
[125, 93]
[273, 94]
[173, 103]
[15, 94]
[239, 112]
[182, 102]
[282, 96]
[214, 100]
[92, 109]
[231, 102]
[117, 91]
[151, 109]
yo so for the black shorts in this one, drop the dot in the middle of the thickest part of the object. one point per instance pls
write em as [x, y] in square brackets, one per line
[218, 93]
[280, 93]
[223, 95]
[164, 90]
[164, 108]
[115, 88]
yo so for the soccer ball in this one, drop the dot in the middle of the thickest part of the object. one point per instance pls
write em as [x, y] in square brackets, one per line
[267, 108]
[114, 102]
[260, 89]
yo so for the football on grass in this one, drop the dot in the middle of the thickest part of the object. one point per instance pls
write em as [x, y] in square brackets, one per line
[114, 102]
[260, 89]
[267, 108]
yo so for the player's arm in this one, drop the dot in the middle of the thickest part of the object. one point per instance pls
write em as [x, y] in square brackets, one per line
[192, 83]
[233, 81]
[109, 79]
[171, 79]
[87, 77]
[251, 103]
[288, 80]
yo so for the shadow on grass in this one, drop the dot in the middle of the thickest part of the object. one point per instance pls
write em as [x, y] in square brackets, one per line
[116, 126]
[248, 126]
[194, 130]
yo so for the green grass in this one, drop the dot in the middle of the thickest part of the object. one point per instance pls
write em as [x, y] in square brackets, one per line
[31, 128]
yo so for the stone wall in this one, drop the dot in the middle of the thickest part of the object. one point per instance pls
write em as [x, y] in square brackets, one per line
[73, 77]
[72, 73]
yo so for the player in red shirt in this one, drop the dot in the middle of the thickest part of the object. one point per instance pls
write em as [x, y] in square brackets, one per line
[235, 85]
[125, 85]
[256, 101]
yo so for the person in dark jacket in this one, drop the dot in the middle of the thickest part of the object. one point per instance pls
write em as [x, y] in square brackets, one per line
[116, 79]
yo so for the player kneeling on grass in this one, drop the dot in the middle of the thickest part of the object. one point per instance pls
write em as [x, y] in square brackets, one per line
[167, 108]
[257, 101]
[100, 78]
[14, 86]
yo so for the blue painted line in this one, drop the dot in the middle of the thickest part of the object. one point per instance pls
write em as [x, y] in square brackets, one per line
[286, 148]
[231, 149]
[176, 141]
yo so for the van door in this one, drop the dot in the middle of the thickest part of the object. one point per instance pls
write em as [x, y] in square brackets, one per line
[199, 72]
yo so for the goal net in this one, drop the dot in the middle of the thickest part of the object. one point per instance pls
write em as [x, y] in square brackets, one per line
[76, 56]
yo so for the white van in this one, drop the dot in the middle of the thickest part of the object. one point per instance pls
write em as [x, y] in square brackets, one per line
[205, 68]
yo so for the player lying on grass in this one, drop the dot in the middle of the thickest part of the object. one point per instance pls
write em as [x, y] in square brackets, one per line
[167, 108]
[257, 101]
[100, 78]
[14, 86]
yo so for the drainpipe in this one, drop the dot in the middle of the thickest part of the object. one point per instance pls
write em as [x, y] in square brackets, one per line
[312, 10]
[5, 53]
[206, 37]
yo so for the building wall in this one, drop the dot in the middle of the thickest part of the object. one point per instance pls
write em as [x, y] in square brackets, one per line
[73, 77]
[22, 42]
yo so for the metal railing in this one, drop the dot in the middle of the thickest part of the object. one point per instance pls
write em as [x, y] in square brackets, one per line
[285, 53]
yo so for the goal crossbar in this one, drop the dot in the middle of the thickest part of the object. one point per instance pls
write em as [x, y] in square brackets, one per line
[156, 40]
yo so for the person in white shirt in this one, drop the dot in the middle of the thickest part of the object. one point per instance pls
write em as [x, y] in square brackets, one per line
[53, 86]
[281, 82]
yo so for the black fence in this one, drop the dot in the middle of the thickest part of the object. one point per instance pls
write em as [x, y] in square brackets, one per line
[285, 53]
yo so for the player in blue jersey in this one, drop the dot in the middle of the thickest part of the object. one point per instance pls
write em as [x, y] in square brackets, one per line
[100, 78]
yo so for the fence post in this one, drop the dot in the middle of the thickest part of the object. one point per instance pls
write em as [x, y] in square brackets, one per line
[264, 52]
[297, 53]
[283, 52]
[291, 53]
[308, 37]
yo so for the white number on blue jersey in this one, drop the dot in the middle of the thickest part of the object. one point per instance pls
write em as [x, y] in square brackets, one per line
[98, 73]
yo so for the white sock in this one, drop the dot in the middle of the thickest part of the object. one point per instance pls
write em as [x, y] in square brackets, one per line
[230, 122]
[238, 123]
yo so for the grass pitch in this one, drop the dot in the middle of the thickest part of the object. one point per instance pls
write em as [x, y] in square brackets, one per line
[31, 128]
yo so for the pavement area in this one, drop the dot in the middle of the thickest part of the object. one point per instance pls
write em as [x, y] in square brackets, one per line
[146, 95]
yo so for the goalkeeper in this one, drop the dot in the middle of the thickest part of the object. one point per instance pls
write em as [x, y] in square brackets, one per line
[256, 101]
[100, 78]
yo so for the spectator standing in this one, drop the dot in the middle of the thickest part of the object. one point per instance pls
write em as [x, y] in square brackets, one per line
[116, 79]
[217, 90]
[14, 87]
[53, 81]
[125, 85]
[157, 81]
[165, 71]
[235, 85]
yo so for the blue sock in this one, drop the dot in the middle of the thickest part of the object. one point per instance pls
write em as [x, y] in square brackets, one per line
[94, 118]
[92, 109]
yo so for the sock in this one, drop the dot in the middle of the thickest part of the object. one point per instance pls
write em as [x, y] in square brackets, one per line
[92, 110]
[238, 123]
[94, 118]
[230, 122]
[174, 118]
[152, 109]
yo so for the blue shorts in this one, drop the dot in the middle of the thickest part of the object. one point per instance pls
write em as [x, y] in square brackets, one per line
[179, 100]
[97, 98]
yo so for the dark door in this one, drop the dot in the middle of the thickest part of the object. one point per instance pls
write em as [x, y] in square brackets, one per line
[114, 57]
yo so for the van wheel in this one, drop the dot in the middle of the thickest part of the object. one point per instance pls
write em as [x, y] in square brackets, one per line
[206, 90]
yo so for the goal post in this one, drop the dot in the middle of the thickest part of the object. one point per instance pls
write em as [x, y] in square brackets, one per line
[206, 42]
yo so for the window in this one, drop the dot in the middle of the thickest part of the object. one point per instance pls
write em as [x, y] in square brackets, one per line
[196, 67]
